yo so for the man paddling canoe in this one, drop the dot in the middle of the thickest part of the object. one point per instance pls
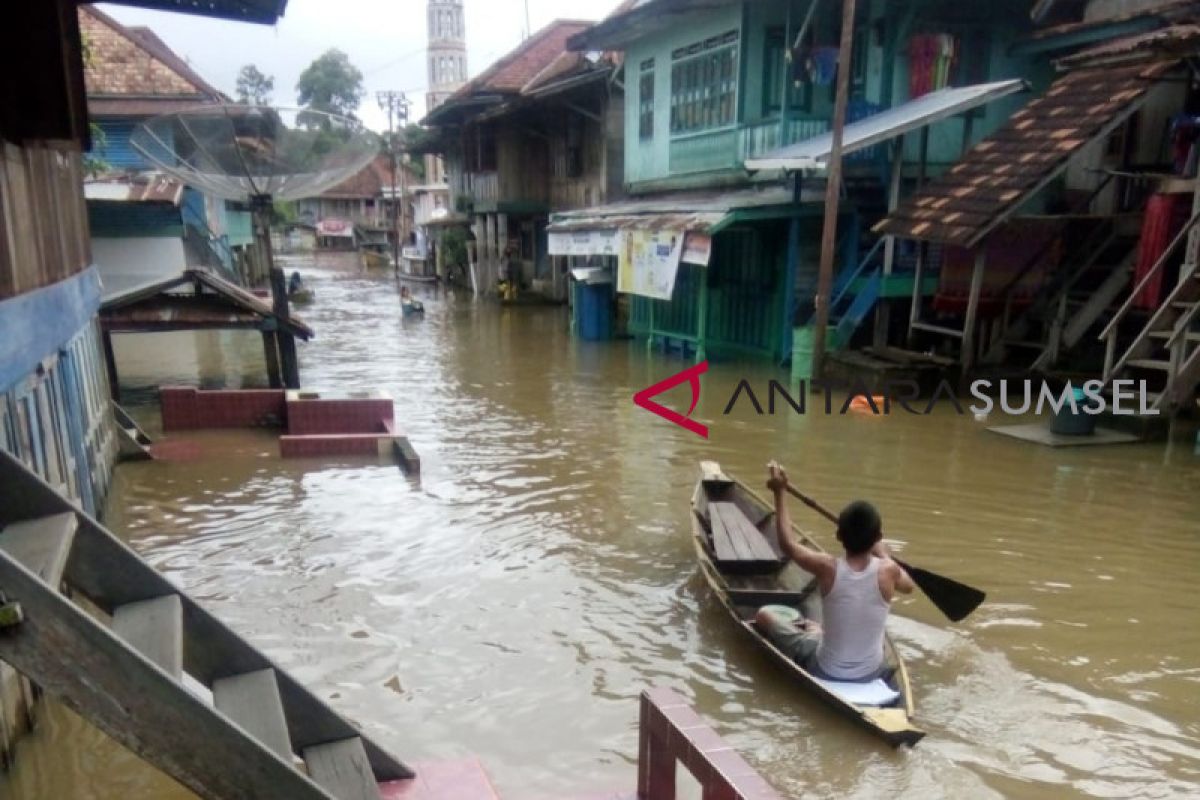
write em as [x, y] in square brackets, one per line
[856, 594]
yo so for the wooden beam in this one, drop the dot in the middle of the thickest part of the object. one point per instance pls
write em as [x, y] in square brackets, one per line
[271, 351]
[967, 354]
[110, 364]
[883, 311]
[833, 194]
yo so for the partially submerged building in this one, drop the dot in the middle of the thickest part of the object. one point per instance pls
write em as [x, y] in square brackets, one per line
[719, 240]
[1069, 235]
[536, 132]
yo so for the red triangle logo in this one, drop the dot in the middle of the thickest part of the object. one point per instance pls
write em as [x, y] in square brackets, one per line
[691, 376]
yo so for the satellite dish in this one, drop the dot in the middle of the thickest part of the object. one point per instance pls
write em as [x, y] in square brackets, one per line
[249, 153]
[257, 154]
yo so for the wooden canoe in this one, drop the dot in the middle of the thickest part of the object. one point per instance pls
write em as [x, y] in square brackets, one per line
[743, 589]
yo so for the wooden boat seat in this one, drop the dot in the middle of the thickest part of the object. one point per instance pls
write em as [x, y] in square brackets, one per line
[737, 545]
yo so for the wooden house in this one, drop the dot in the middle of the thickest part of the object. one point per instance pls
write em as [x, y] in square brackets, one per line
[536, 132]
[1069, 236]
[361, 207]
[714, 87]
[146, 226]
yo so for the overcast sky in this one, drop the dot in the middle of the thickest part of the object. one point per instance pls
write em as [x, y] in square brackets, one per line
[384, 38]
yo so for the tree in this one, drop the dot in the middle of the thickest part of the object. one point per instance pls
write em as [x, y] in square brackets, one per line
[331, 84]
[253, 87]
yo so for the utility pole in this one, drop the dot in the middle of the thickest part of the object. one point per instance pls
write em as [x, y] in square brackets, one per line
[833, 190]
[396, 104]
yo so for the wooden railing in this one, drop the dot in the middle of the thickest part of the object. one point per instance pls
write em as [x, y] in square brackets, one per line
[729, 147]
[1113, 365]
[671, 733]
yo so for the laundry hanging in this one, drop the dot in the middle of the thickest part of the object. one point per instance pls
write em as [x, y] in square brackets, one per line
[932, 61]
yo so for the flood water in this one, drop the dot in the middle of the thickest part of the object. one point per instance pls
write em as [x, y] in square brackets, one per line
[513, 602]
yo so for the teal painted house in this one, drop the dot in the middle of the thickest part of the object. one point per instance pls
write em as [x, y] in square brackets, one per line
[712, 85]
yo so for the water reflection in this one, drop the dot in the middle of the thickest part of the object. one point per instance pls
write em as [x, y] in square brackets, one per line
[513, 602]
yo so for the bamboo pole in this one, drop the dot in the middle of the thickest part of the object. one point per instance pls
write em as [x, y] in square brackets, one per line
[833, 193]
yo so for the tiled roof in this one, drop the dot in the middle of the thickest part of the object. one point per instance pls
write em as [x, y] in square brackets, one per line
[133, 63]
[370, 181]
[524, 63]
[1004, 170]
[1173, 41]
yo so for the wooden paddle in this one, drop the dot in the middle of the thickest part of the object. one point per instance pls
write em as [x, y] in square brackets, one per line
[955, 600]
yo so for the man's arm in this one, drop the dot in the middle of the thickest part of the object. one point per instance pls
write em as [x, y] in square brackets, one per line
[812, 561]
[904, 582]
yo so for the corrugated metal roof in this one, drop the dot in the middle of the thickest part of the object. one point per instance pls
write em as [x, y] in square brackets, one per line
[261, 11]
[692, 211]
[1003, 171]
[197, 298]
[925, 110]
[698, 221]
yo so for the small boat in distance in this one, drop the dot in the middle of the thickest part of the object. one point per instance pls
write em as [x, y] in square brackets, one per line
[734, 536]
[409, 305]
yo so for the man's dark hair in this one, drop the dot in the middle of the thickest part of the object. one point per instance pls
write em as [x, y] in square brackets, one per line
[859, 527]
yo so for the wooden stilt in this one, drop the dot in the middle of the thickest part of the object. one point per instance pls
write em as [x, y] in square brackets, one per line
[791, 266]
[271, 350]
[833, 194]
[110, 363]
[287, 342]
[967, 356]
[883, 311]
[914, 313]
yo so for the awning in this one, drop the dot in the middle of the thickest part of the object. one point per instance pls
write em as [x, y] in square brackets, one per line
[193, 300]
[1009, 167]
[925, 110]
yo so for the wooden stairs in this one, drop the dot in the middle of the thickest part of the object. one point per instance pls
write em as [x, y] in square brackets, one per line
[1164, 350]
[85, 618]
[1074, 302]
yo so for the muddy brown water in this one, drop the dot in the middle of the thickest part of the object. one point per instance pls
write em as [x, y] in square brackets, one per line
[513, 602]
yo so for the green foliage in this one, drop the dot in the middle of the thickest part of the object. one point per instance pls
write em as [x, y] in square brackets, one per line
[283, 213]
[93, 164]
[417, 167]
[253, 87]
[419, 141]
[331, 84]
[454, 246]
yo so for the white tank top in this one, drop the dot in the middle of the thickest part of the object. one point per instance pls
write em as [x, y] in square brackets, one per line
[854, 614]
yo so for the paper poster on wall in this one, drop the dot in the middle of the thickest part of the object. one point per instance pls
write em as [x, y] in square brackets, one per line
[697, 248]
[649, 263]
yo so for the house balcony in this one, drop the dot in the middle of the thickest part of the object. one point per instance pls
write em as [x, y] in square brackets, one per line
[728, 148]
[488, 193]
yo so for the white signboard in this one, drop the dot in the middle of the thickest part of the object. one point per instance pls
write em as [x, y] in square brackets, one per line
[585, 243]
[649, 263]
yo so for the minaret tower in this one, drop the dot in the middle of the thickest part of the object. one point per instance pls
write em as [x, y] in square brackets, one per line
[447, 51]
